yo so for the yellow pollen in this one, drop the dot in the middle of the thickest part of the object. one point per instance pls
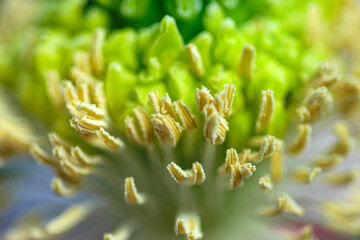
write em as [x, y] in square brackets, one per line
[98, 95]
[267, 108]
[239, 172]
[83, 158]
[346, 141]
[215, 128]
[344, 177]
[155, 101]
[231, 159]
[41, 156]
[224, 99]
[195, 60]
[266, 150]
[131, 194]
[111, 142]
[63, 189]
[194, 176]
[247, 61]
[90, 111]
[57, 141]
[302, 139]
[318, 103]
[82, 90]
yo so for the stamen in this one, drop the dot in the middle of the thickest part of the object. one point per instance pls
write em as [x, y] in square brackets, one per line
[329, 161]
[231, 159]
[313, 24]
[111, 142]
[265, 183]
[90, 111]
[131, 194]
[96, 55]
[267, 108]
[167, 106]
[343, 209]
[247, 61]
[303, 114]
[345, 177]
[306, 175]
[122, 233]
[86, 124]
[177, 173]
[82, 89]
[41, 156]
[144, 127]
[83, 158]
[240, 172]
[73, 170]
[224, 99]
[82, 61]
[70, 96]
[245, 156]
[194, 176]
[52, 85]
[266, 150]
[346, 142]
[302, 139]
[347, 94]
[195, 60]
[155, 101]
[67, 220]
[64, 190]
[98, 95]
[318, 103]
[57, 141]
[167, 129]
[189, 225]
[203, 98]
[215, 128]
[186, 118]
[277, 168]
[284, 204]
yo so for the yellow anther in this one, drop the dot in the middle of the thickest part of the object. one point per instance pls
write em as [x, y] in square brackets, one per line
[245, 156]
[285, 204]
[70, 96]
[121, 233]
[82, 61]
[63, 223]
[306, 175]
[90, 111]
[265, 183]
[328, 161]
[302, 139]
[86, 124]
[239, 172]
[140, 132]
[82, 89]
[57, 141]
[184, 112]
[83, 158]
[267, 108]
[131, 194]
[195, 60]
[167, 129]
[345, 177]
[231, 159]
[247, 61]
[266, 150]
[224, 99]
[277, 165]
[41, 156]
[203, 98]
[194, 176]
[167, 106]
[198, 173]
[303, 114]
[53, 87]
[178, 174]
[343, 209]
[346, 141]
[155, 101]
[111, 142]
[189, 225]
[98, 95]
[318, 103]
[215, 128]
[63, 189]
[96, 54]
[74, 170]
